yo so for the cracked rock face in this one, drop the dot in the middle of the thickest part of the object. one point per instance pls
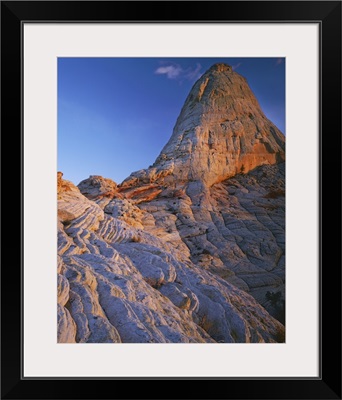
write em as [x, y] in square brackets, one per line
[191, 250]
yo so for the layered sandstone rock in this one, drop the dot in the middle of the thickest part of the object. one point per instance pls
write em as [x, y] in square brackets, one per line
[96, 187]
[221, 131]
[117, 283]
[191, 249]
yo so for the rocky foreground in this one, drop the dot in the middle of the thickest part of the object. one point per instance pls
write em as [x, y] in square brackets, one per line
[190, 250]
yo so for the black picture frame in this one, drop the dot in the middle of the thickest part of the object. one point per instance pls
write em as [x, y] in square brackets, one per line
[328, 15]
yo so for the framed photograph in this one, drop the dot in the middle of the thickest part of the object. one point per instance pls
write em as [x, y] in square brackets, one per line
[171, 204]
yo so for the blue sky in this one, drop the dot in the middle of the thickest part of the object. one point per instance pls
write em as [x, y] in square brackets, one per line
[116, 114]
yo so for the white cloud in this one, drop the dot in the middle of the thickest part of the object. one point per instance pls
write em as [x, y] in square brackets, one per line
[175, 71]
[171, 71]
[236, 66]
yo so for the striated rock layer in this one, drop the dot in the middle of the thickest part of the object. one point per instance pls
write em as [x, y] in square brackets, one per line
[118, 283]
[191, 249]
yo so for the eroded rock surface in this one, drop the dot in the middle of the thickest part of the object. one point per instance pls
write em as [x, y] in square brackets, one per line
[191, 249]
[118, 283]
[220, 132]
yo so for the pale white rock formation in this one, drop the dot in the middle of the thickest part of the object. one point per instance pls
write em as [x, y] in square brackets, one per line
[118, 283]
[234, 229]
[221, 131]
[96, 187]
[190, 250]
